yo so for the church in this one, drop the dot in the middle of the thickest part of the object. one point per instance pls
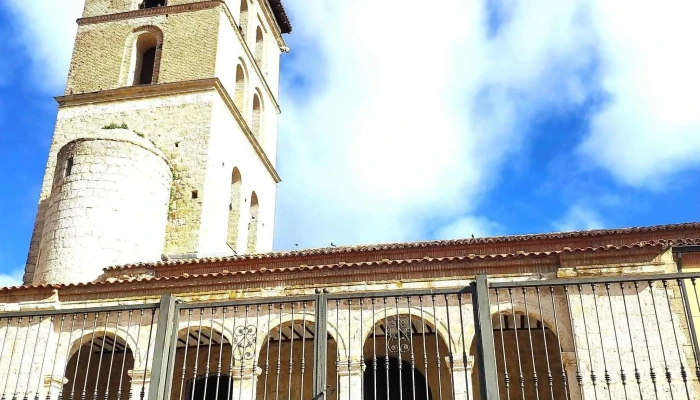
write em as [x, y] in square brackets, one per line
[151, 273]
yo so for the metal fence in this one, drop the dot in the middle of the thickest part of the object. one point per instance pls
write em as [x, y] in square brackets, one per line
[614, 338]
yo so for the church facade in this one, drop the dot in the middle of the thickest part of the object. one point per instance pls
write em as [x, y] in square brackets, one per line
[151, 274]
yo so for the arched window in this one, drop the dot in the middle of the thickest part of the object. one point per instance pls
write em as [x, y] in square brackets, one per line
[145, 61]
[239, 95]
[253, 224]
[243, 26]
[234, 210]
[259, 47]
[257, 116]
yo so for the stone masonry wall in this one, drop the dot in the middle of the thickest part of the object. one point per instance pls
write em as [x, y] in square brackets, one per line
[108, 205]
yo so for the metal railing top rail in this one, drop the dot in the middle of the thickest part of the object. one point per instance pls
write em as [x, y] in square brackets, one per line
[87, 310]
[256, 301]
[400, 293]
[595, 280]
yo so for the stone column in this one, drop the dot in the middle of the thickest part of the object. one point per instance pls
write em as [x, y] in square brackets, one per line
[140, 382]
[350, 380]
[245, 383]
[461, 378]
[571, 368]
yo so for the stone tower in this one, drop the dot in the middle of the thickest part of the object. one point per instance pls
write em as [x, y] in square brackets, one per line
[165, 139]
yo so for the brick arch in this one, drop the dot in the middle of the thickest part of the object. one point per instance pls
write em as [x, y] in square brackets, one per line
[253, 223]
[258, 119]
[153, 34]
[239, 95]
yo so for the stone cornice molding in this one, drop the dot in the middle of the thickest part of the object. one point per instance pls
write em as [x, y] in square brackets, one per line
[175, 88]
[203, 5]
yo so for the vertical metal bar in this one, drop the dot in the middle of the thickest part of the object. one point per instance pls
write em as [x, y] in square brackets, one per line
[600, 336]
[485, 347]
[229, 387]
[501, 317]
[31, 363]
[303, 349]
[535, 379]
[111, 358]
[449, 345]
[399, 360]
[184, 358]
[221, 350]
[172, 352]
[92, 343]
[161, 354]
[550, 378]
[521, 377]
[374, 346]
[663, 350]
[337, 351]
[102, 350]
[437, 347]
[637, 375]
[386, 348]
[579, 377]
[211, 339]
[77, 361]
[413, 358]
[425, 356]
[279, 354]
[347, 351]
[254, 353]
[267, 353]
[623, 377]
[196, 354]
[291, 357]
[55, 357]
[148, 353]
[691, 321]
[121, 374]
[2, 352]
[684, 376]
[652, 374]
[320, 345]
[588, 343]
[242, 369]
[362, 352]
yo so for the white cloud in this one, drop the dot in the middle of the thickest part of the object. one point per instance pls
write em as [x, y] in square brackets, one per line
[650, 68]
[412, 109]
[46, 31]
[579, 217]
[409, 110]
[14, 278]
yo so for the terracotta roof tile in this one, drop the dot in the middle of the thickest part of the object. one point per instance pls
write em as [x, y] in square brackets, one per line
[410, 245]
[307, 268]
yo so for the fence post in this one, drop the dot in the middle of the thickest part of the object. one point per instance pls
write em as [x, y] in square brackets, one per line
[164, 347]
[485, 348]
[320, 345]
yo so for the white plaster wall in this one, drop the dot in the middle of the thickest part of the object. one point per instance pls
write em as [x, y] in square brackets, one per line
[229, 55]
[228, 148]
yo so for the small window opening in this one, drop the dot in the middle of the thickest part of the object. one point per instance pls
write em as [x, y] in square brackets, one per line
[152, 3]
[69, 167]
[195, 194]
[144, 60]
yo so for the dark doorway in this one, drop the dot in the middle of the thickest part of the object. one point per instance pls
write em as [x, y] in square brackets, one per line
[153, 3]
[210, 387]
[148, 63]
[411, 383]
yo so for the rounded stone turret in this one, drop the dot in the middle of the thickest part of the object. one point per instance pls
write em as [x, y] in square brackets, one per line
[108, 206]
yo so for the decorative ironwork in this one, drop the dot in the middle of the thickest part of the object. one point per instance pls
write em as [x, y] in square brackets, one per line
[398, 332]
[244, 337]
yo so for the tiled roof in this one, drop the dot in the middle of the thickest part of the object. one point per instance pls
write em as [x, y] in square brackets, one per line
[418, 245]
[342, 265]
[281, 16]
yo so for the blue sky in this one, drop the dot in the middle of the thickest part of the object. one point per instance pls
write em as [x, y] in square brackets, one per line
[492, 117]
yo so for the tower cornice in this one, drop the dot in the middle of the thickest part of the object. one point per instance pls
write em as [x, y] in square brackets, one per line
[191, 86]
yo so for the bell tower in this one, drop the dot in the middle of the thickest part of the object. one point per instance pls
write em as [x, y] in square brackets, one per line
[165, 139]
